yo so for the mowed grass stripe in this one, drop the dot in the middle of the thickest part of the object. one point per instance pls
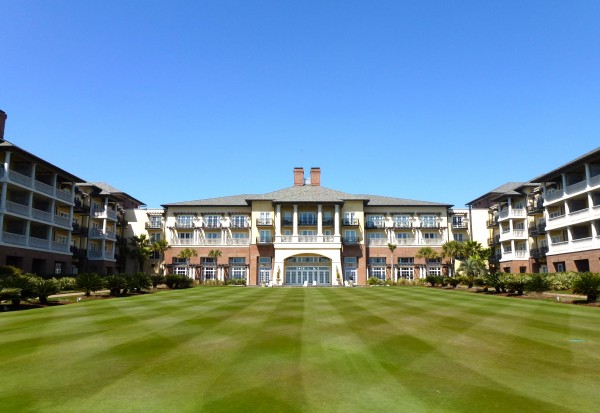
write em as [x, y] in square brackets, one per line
[302, 349]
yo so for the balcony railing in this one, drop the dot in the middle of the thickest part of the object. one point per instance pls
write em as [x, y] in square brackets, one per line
[17, 208]
[307, 238]
[378, 242]
[328, 222]
[350, 240]
[460, 225]
[350, 222]
[185, 225]
[43, 187]
[536, 230]
[41, 215]
[154, 225]
[402, 224]
[41, 243]
[64, 195]
[405, 241]
[212, 224]
[555, 216]
[538, 253]
[240, 224]
[184, 241]
[595, 180]
[95, 254]
[211, 241]
[576, 187]
[238, 241]
[520, 253]
[60, 246]
[375, 224]
[434, 241]
[12, 238]
[307, 222]
[429, 225]
[62, 221]
[553, 195]
[21, 179]
[264, 240]
[264, 222]
[492, 222]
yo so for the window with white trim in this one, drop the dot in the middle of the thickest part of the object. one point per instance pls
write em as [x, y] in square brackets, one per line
[185, 221]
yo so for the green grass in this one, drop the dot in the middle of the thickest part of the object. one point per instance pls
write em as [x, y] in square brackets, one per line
[302, 350]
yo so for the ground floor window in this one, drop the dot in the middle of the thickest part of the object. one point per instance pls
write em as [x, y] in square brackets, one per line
[407, 273]
[209, 273]
[299, 275]
[377, 272]
[435, 270]
[264, 275]
[239, 273]
[180, 270]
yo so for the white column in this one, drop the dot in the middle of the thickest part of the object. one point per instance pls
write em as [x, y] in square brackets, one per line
[336, 224]
[278, 223]
[295, 225]
[319, 223]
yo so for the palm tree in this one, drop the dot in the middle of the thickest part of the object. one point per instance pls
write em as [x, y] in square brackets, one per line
[392, 247]
[215, 254]
[429, 254]
[186, 254]
[472, 268]
[142, 248]
[453, 250]
[161, 246]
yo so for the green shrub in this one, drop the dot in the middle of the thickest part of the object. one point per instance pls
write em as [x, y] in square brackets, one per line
[561, 281]
[588, 284]
[375, 281]
[44, 288]
[115, 283]
[433, 280]
[235, 281]
[67, 283]
[89, 282]
[515, 283]
[176, 281]
[24, 283]
[139, 282]
[157, 279]
[538, 283]
[453, 281]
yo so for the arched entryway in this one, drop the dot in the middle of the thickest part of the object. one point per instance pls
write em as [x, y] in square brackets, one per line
[307, 270]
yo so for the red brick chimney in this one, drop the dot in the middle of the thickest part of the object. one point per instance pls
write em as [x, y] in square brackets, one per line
[2, 124]
[315, 176]
[298, 176]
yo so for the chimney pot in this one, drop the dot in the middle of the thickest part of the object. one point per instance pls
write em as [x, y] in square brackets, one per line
[315, 176]
[298, 176]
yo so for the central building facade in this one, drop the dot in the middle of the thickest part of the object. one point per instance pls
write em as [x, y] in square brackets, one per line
[305, 234]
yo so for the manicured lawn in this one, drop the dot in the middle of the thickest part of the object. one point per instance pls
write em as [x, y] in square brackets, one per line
[226, 349]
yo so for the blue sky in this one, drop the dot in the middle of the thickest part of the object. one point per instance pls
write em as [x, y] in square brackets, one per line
[178, 100]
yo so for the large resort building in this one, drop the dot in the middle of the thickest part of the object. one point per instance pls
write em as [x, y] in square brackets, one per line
[550, 224]
[305, 234]
[53, 222]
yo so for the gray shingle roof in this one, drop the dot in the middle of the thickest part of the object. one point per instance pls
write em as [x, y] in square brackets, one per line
[234, 200]
[305, 194]
[507, 188]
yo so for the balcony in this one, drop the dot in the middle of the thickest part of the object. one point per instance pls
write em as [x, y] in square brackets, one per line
[378, 242]
[434, 241]
[184, 241]
[307, 238]
[350, 240]
[20, 179]
[536, 230]
[12, 238]
[287, 222]
[375, 224]
[595, 180]
[40, 215]
[80, 207]
[240, 224]
[402, 224]
[327, 222]
[576, 187]
[350, 222]
[429, 225]
[43, 187]
[212, 224]
[17, 208]
[405, 241]
[155, 225]
[60, 246]
[211, 241]
[264, 240]
[538, 253]
[460, 225]
[553, 195]
[307, 222]
[522, 254]
[184, 225]
[62, 221]
[238, 241]
[40, 243]
[95, 254]
[79, 230]
[492, 222]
